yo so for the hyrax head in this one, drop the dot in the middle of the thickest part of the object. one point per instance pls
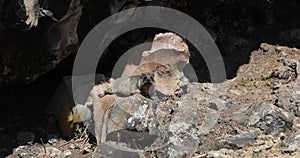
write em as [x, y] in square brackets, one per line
[146, 84]
[147, 78]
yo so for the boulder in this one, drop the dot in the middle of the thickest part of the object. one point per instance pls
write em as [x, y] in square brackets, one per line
[238, 141]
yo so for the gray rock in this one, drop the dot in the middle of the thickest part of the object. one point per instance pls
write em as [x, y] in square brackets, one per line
[294, 139]
[288, 97]
[25, 138]
[292, 148]
[183, 137]
[238, 141]
[265, 116]
[262, 148]
[269, 118]
[134, 113]
[134, 140]
[109, 149]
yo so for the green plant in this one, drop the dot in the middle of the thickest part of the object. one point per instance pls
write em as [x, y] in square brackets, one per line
[283, 145]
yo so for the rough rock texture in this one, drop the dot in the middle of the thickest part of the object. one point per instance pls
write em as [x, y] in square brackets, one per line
[271, 120]
[137, 112]
[238, 141]
[228, 119]
[269, 77]
[267, 117]
[201, 117]
[294, 139]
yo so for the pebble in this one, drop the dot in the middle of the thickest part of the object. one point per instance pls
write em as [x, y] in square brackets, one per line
[52, 141]
[66, 153]
[262, 147]
[72, 146]
[264, 47]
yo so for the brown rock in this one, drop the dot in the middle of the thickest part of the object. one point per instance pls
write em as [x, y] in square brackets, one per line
[101, 111]
[167, 49]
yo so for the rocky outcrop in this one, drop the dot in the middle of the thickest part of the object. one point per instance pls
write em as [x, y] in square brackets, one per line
[241, 114]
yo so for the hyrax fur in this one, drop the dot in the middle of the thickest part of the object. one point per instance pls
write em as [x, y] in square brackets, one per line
[127, 86]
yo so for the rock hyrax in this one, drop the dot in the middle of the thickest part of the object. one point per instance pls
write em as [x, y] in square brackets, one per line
[127, 86]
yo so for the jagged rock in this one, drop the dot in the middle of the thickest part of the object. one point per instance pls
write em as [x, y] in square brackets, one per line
[136, 112]
[124, 121]
[294, 139]
[165, 46]
[101, 112]
[132, 139]
[238, 141]
[184, 136]
[113, 114]
[267, 117]
[288, 95]
[132, 113]
[111, 149]
[288, 98]
[270, 119]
